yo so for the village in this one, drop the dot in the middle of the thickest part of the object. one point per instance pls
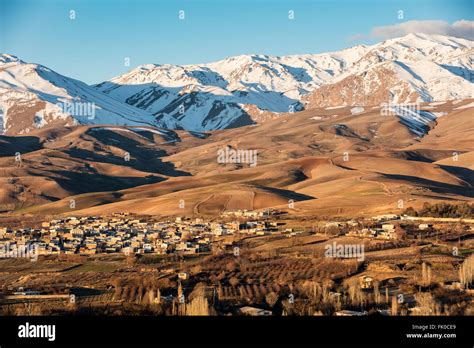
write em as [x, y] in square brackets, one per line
[125, 233]
[130, 234]
[240, 263]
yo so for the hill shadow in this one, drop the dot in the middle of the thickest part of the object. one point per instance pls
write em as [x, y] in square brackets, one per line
[464, 174]
[287, 193]
[78, 183]
[435, 186]
[22, 144]
[144, 158]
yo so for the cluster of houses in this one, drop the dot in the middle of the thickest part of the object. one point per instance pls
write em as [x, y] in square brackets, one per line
[131, 234]
[253, 214]
[387, 226]
[119, 233]
[386, 231]
[126, 233]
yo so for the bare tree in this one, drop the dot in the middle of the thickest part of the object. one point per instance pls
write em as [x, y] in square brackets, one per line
[466, 272]
[271, 298]
[394, 310]
[376, 292]
[234, 281]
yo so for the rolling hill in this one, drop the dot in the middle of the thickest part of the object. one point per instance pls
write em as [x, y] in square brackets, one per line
[327, 161]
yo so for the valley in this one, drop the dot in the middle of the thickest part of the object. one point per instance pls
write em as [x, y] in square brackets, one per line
[317, 184]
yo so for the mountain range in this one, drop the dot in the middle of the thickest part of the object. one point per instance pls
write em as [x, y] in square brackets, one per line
[358, 132]
[242, 90]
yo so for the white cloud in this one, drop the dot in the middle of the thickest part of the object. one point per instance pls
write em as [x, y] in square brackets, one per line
[462, 28]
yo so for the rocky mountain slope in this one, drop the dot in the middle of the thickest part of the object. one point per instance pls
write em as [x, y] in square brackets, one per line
[241, 90]
[33, 96]
[238, 90]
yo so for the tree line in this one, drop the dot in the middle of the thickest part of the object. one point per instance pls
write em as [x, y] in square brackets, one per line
[443, 210]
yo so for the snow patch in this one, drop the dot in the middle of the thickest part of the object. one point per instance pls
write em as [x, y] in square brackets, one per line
[437, 103]
[357, 110]
[155, 131]
[335, 107]
[417, 121]
[466, 106]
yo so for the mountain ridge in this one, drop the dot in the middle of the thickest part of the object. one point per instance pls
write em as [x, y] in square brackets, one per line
[287, 83]
[245, 89]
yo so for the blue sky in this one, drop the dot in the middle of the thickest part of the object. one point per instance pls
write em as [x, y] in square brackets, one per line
[94, 45]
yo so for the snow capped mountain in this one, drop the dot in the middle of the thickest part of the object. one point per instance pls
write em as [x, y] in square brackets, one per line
[8, 59]
[209, 96]
[217, 95]
[416, 67]
[33, 96]
[241, 90]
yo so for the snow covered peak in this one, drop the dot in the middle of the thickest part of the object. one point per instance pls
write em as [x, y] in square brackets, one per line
[147, 67]
[416, 67]
[414, 47]
[215, 94]
[423, 40]
[8, 59]
[35, 96]
[236, 90]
